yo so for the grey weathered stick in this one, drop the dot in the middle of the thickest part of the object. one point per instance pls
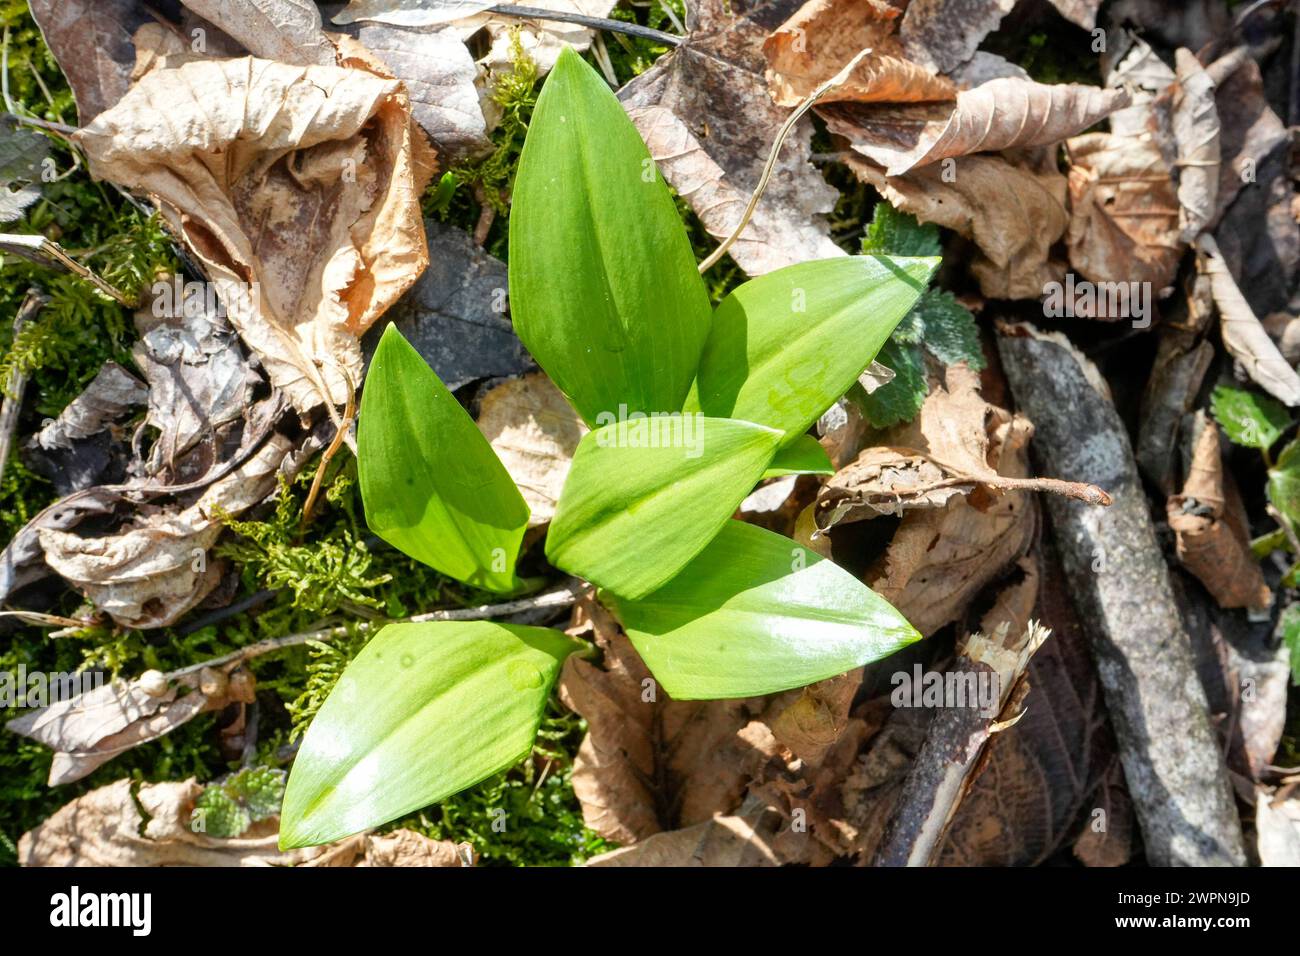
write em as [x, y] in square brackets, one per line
[1172, 762]
[944, 769]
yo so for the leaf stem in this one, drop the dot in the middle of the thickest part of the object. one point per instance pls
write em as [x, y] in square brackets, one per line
[595, 23]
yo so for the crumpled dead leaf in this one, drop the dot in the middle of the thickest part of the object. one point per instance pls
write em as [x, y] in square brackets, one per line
[199, 379]
[456, 313]
[1194, 125]
[1277, 827]
[704, 112]
[155, 567]
[1124, 211]
[945, 451]
[1243, 334]
[1013, 213]
[1082, 13]
[1213, 537]
[130, 824]
[940, 558]
[296, 186]
[648, 763]
[92, 728]
[77, 448]
[534, 431]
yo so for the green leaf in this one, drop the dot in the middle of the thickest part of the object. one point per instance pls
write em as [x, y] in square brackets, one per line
[644, 497]
[1291, 637]
[895, 233]
[1284, 483]
[950, 332]
[786, 345]
[424, 711]
[1249, 418]
[898, 400]
[803, 456]
[604, 288]
[756, 613]
[431, 484]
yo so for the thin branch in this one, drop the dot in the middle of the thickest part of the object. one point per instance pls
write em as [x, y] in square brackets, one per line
[16, 386]
[595, 23]
[809, 102]
[340, 433]
[562, 597]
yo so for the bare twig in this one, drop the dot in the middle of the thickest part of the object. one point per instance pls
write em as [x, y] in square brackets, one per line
[340, 433]
[595, 23]
[809, 102]
[561, 597]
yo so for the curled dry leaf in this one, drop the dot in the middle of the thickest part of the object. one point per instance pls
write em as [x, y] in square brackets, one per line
[1013, 213]
[1130, 64]
[1196, 136]
[155, 567]
[1277, 827]
[943, 34]
[534, 431]
[199, 379]
[1124, 211]
[296, 186]
[824, 35]
[1082, 13]
[1002, 113]
[92, 728]
[1244, 335]
[704, 112]
[648, 763]
[1213, 538]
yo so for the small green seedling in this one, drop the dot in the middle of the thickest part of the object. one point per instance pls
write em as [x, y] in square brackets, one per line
[689, 408]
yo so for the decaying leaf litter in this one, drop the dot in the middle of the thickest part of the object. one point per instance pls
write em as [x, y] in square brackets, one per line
[1119, 351]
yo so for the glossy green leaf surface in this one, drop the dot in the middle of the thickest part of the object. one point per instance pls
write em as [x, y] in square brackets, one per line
[1284, 483]
[424, 711]
[604, 289]
[784, 346]
[644, 497]
[803, 456]
[431, 484]
[756, 613]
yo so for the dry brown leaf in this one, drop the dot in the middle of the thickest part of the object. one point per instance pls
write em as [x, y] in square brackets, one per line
[130, 824]
[1213, 540]
[1002, 113]
[1194, 129]
[1130, 64]
[534, 431]
[824, 35]
[943, 34]
[704, 112]
[1123, 211]
[90, 729]
[156, 567]
[648, 763]
[199, 380]
[743, 839]
[297, 187]
[109, 397]
[945, 451]
[940, 558]
[1243, 334]
[91, 40]
[1277, 827]
[287, 31]
[811, 724]
[1013, 213]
